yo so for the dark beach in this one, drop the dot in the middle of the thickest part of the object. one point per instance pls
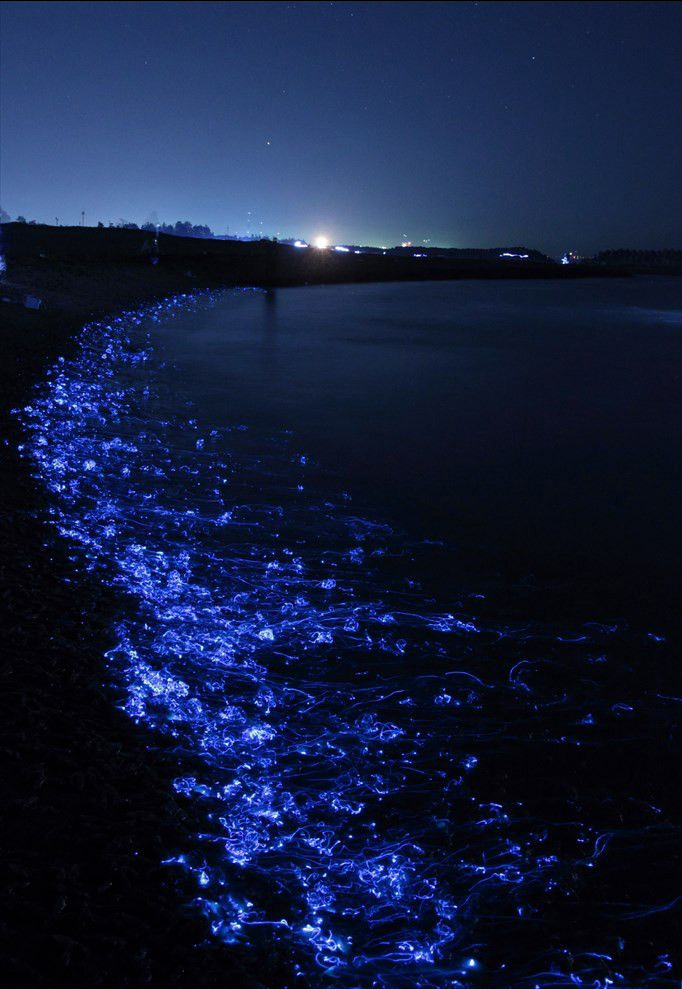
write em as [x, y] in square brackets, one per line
[89, 811]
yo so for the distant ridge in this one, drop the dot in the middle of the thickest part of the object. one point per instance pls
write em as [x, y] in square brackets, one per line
[100, 252]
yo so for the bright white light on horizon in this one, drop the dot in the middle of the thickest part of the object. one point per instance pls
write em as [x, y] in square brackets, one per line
[322, 243]
[344, 250]
[300, 243]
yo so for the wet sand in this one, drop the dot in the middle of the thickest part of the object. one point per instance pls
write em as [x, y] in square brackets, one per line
[88, 809]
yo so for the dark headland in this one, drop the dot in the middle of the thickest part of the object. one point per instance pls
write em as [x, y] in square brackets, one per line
[61, 265]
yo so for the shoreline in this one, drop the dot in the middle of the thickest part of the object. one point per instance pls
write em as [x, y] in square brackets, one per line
[61, 259]
[90, 811]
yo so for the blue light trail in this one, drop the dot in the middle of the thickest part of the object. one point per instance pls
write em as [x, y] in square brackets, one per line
[340, 734]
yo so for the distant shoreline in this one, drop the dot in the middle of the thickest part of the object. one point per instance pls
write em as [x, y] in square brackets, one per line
[65, 262]
[65, 276]
[78, 880]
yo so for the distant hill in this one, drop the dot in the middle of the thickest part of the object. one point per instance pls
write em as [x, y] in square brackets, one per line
[97, 254]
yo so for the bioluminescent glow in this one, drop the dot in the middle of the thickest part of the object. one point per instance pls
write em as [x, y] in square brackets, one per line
[343, 737]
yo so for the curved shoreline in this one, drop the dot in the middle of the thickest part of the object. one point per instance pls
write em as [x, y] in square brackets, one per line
[88, 803]
[100, 603]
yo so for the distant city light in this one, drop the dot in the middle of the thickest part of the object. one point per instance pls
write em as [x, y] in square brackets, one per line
[322, 243]
[344, 250]
[300, 243]
[510, 254]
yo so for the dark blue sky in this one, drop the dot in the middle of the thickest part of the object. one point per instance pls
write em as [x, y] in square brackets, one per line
[556, 125]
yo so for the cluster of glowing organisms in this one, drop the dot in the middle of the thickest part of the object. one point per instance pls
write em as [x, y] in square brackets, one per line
[344, 736]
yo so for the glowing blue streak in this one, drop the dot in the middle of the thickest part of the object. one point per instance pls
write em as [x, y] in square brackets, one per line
[325, 771]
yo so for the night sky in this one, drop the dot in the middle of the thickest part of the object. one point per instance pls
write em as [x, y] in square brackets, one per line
[554, 125]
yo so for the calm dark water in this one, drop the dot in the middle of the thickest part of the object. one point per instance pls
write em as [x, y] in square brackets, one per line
[536, 427]
[401, 568]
